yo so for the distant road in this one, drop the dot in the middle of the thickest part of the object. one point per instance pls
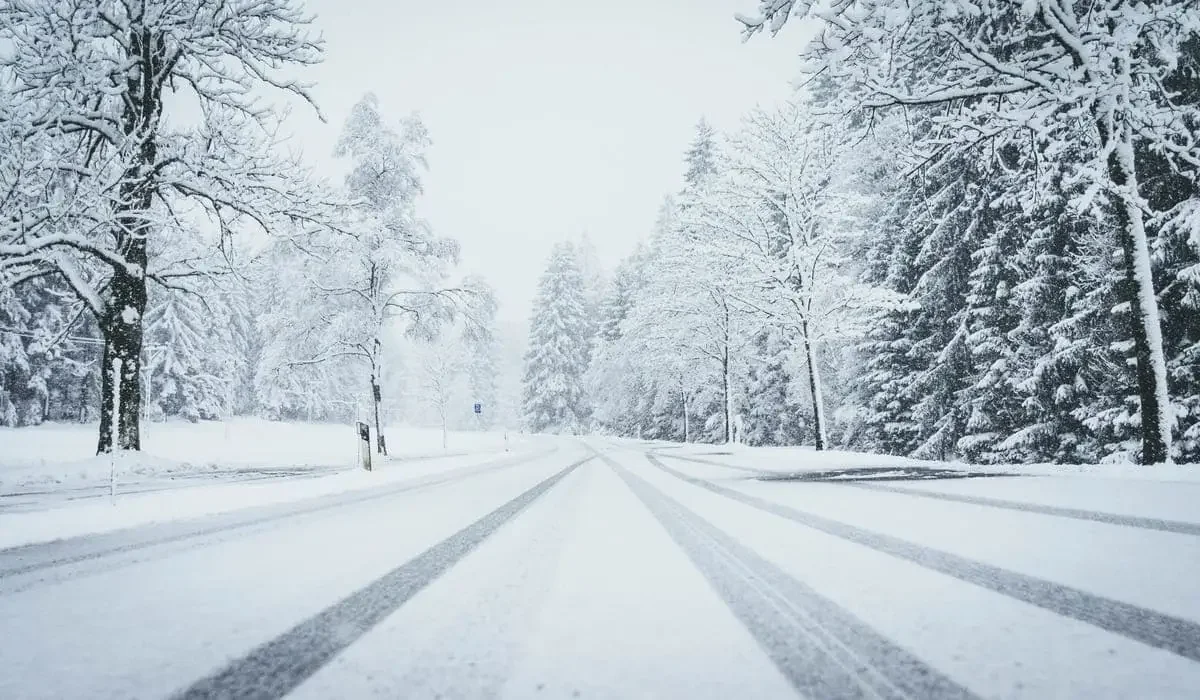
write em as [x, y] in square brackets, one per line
[615, 569]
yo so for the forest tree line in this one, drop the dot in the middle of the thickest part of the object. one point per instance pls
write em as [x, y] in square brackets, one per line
[973, 234]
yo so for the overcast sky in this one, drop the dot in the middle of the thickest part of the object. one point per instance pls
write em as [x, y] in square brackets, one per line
[549, 118]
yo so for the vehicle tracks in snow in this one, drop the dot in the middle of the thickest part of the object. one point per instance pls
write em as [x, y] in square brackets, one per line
[1174, 526]
[873, 484]
[822, 649]
[1173, 634]
[30, 565]
[278, 666]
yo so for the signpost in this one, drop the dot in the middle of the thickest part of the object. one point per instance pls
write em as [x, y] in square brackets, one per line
[478, 409]
[364, 445]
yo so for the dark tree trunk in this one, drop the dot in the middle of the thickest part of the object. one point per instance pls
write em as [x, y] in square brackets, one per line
[725, 394]
[122, 329]
[1145, 325]
[814, 390]
[727, 390]
[687, 424]
[121, 319]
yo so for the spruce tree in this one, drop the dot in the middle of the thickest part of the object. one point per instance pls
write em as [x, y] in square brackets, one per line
[773, 418]
[555, 363]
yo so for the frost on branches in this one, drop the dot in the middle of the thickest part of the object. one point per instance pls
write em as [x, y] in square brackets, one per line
[346, 287]
[94, 170]
[1107, 87]
[553, 397]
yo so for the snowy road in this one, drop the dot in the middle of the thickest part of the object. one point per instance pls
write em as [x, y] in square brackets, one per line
[617, 570]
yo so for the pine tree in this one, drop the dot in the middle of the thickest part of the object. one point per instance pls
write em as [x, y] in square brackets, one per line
[191, 365]
[993, 401]
[555, 364]
[773, 417]
[1053, 373]
[1032, 73]
[701, 156]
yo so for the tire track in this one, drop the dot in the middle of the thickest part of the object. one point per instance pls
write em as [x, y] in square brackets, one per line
[277, 667]
[747, 470]
[821, 648]
[495, 606]
[1174, 526]
[1175, 635]
[32, 559]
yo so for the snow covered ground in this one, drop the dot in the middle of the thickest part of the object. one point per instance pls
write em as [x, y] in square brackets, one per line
[50, 489]
[608, 568]
[805, 459]
[64, 453]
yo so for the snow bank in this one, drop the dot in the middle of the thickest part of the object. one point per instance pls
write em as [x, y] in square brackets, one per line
[806, 459]
[132, 509]
[63, 453]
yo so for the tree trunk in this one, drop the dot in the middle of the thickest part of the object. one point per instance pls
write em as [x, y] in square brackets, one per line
[726, 380]
[725, 391]
[444, 443]
[820, 438]
[121, 319]
[120, 390]
[687, 428]
[1153, 391]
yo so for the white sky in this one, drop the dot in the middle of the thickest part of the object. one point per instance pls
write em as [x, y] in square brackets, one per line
[549, 118]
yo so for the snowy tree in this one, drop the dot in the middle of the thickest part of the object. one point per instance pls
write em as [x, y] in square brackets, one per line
[190, 365]
[672, 352]
[380, 269]
[789, 213]
[441, 370]
[552, 392]
[594, 280]
[774, 414]
[614, 382]
[1029, 72]
[701, 156]
[97, 166]
[49, 351]
[482, 348]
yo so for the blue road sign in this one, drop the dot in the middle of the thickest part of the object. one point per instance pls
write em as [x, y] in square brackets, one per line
[479, 408]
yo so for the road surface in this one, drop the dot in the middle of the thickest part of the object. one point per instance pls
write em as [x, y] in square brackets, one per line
[599, 569]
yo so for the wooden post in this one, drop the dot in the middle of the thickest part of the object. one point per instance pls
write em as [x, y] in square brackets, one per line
[364, 445]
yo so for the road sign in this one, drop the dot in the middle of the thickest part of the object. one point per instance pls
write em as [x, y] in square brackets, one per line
[478, 408]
